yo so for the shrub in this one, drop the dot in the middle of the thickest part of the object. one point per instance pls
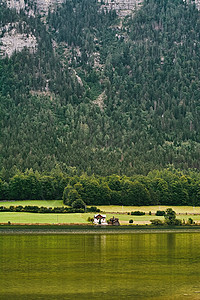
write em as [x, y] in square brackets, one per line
[137, 213]
[12, 208]
[178, 222]
[190, 221]
[18, 208]
[170, 216]
[156, 222]
[78, 204]
[93, 209]
[160, 213]
[130, 221]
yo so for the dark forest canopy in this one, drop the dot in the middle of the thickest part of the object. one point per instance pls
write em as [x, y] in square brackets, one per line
[144, 73]
[164, 187]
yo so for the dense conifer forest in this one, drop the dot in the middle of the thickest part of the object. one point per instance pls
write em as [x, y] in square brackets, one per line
[101, 95]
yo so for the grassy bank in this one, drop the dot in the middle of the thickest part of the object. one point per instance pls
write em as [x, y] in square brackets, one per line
[91, 229]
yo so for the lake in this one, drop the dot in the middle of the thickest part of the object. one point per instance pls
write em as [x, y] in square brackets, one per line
[107, 266]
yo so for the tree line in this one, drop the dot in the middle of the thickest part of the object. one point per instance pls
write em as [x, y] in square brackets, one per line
[159, 187]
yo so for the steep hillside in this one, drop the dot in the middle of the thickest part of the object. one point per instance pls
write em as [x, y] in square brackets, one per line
[97, 92]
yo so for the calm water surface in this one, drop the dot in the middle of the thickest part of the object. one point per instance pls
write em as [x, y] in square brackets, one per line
[106, 266]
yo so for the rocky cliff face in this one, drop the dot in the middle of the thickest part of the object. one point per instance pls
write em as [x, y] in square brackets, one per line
[11, 40]
[126, 7]
[122, 7]
[42, 6]
[197, 4]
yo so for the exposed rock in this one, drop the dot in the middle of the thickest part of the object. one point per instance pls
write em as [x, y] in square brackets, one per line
[100, 101]
[197, 2]
[44, 5]
[12, 40]
[79, 80]
[16, 4]
[122, 7]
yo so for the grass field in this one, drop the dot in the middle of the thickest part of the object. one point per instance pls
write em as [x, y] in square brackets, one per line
[183, 213]
[15, 217]
[107, 208]
[153, 209]
[45, 203]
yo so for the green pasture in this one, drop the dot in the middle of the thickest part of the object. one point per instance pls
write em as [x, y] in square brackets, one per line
[22, 217]
[17, 217]
[153, 209]
[45, 203]
[107, 208]
[183, 213]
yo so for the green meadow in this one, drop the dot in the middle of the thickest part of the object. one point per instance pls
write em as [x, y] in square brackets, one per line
[45, 203]
[152, 209]
[81, 218]
[107, 208]
[22, 217]
[121, 212]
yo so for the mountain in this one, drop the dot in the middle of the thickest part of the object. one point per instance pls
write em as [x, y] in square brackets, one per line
[102, 87]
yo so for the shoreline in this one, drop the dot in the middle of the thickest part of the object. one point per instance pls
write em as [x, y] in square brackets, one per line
[90, 229]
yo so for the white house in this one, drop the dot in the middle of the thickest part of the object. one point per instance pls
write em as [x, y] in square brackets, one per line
[100, 219]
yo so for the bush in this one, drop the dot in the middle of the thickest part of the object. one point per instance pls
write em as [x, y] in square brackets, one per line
[78, 204]
[19, 208]
[36, 209]
[170, 217]
[93, 209]
[190, 221]
[137, 213]
[130, 221]
[160, 213]
[156, 222]
[90, 219]
[12, 208]
[178, 222]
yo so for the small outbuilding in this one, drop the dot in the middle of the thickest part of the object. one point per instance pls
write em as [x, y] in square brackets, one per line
[100, 219]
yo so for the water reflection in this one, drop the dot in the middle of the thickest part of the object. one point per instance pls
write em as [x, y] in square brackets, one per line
[135, 266]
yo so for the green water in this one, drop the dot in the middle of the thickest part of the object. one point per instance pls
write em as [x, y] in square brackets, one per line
[100, 266]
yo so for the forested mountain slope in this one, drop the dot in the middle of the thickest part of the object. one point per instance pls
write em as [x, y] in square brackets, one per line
[99, 93]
